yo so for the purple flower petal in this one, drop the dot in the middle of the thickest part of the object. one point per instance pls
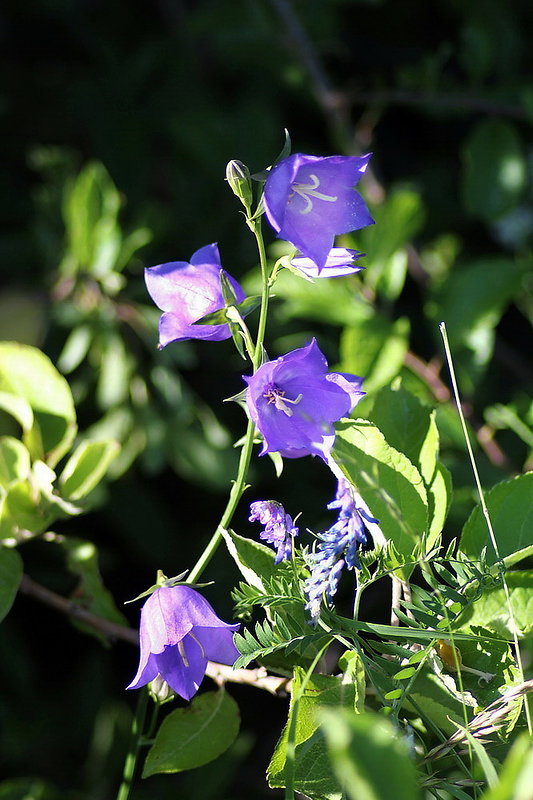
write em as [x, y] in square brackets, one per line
[309, 200]
[179, 632]
[339, 262]
[186, 292]
[294, 402]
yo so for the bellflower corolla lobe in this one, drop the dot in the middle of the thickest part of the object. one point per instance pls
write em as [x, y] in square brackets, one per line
[294, 402]
[339, 262]
[179, 634]
[186, 292]
[279, 526]
[337, 548]
[309, 200]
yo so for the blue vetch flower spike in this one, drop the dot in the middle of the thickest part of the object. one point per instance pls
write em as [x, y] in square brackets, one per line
[179, 634]
[309, 200]
[337, 548]
[340, 261]
[294, 402]
[280, 530]
[186, 292]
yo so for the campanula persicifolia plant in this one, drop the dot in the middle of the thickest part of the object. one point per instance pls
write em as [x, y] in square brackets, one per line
[391, 500]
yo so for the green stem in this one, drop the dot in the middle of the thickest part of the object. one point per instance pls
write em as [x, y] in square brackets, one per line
[135, 739]
[239, 486]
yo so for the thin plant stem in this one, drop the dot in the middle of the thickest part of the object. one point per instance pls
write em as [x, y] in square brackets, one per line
[486, 514]
[239, 486]
[130, 763]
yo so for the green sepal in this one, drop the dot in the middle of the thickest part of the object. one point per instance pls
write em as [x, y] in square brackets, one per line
[220, 317]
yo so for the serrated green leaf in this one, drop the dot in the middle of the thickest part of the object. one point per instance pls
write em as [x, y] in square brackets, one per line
[511, 513]
[388, 482]
[86, 467]
[10, 576]
[370, 757]
[192, 736]
[28, 374]
[254, 560]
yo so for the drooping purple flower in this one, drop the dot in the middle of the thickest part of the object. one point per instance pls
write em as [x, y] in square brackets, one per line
[339, 262]
[179, 634]
[294, 402]
[280, 530]
[186, 292]
[309, 200]
[337, 548]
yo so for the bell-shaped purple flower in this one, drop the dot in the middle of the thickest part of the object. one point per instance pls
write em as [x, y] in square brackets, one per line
[309, 200]
[186, 292]
[179, 634]
[280, 530]
[294, 402]
[339, 262]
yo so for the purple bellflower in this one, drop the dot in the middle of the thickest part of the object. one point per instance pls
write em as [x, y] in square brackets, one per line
[279, 527]
[309, 200]
[294, 402]
[337, 548]
[179, 634]
[340, 261]
[186, 292]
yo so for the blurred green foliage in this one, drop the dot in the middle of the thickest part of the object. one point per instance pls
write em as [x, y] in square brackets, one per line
[116, 128]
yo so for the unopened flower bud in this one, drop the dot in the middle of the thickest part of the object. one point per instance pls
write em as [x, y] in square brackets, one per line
[238, 177]
[160, 691]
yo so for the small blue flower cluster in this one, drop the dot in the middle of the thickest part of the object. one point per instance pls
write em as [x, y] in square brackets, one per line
[337, 548]
[279, 527]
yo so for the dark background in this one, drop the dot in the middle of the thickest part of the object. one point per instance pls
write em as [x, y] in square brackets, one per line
[164, 94]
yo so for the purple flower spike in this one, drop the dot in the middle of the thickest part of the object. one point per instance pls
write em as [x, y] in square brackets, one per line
[337, 548]
[186, 292]
[179, 634]
[294, 402]
[340, 262]
[309, 200]
[279, 527]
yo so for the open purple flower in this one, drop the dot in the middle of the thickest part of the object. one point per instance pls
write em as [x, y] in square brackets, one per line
[294, 402]
[186, 292]
[179, 634]
[309, 200]
[279, 527]
[339, 262]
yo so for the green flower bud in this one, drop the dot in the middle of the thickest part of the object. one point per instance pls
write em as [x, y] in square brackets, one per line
[238, 177]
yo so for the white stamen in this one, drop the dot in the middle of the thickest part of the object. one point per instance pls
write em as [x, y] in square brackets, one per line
[307, 190]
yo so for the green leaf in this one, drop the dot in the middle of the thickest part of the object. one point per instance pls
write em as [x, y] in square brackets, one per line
[14, 461]
[491, 610]
[28, 374]
[511, 513]
[374, 348]
[300, 758]
[75, 348]
[24, 509]
[82, 560]
[494, 169]
[18, 408]
[388, 482]
[254, 560]
[369, 755]
[397, 220]
[86, 467]
[10, 576]
[192, 736]
[516, 774]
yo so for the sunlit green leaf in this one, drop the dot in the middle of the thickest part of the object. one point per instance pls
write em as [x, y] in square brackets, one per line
[10, 577]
